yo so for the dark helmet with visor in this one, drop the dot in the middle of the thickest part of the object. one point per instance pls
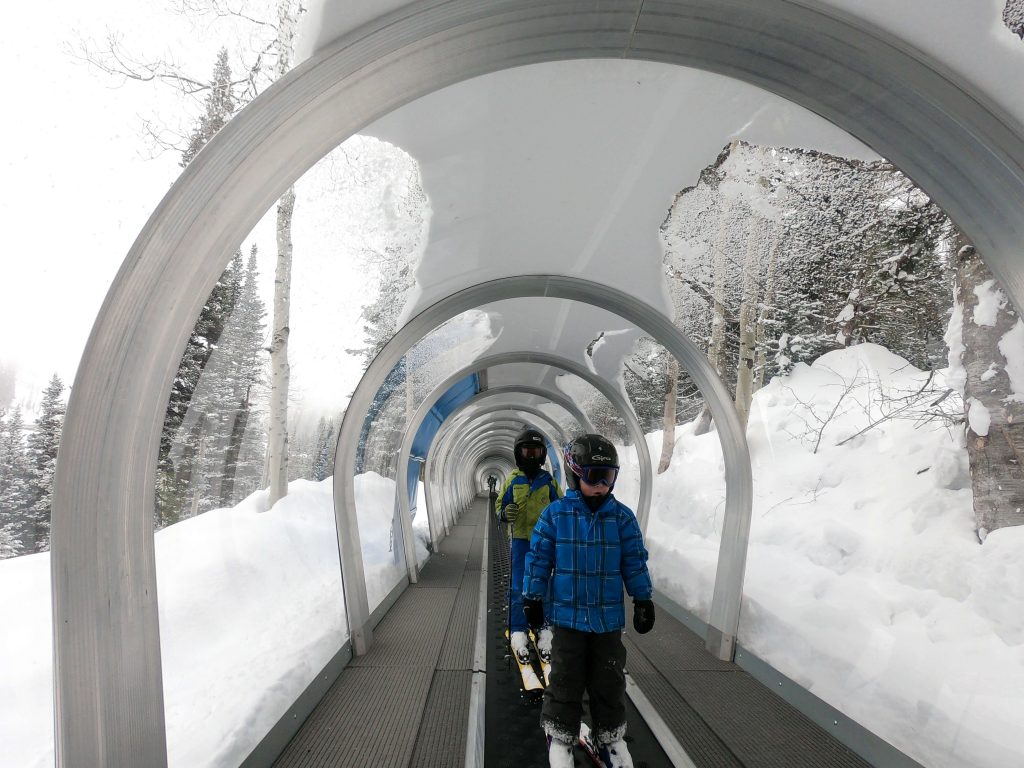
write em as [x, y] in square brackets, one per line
[593, 459]
[530, 450]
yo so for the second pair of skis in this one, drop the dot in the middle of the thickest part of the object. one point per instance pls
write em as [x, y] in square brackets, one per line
[530, 650]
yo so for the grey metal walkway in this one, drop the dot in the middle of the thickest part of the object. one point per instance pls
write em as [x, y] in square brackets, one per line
[406, 702]
[719, 714]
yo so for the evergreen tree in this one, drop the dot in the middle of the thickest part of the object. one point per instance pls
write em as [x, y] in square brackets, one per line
[174, 472]
[219, 107]
[405, 206]
[14, 484]
[179, 445]
[209, 443]
[323, 456]
[42, 461]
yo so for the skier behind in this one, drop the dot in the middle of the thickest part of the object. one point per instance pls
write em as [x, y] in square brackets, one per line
[526, 492]
[588, 545]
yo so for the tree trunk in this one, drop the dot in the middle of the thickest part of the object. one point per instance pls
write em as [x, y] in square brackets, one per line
[240, 420]
[277, 439]
[765, 310]
[668, 441]
[995, 421]
[197, 491]
[747, 346]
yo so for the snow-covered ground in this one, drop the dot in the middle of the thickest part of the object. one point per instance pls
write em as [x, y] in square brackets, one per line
[251, 609]
[865, 582]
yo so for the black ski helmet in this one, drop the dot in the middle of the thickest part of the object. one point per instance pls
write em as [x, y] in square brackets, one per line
[530, 437]
[589, 451]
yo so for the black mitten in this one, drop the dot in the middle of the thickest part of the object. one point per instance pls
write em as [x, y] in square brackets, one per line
[643, 616]
[534, 611]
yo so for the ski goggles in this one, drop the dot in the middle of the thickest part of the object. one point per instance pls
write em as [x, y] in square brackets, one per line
[599, 475]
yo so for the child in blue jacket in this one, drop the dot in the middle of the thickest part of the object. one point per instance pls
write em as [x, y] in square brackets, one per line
[587, 546]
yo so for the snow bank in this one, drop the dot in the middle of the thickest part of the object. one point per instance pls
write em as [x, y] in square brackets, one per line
[251, 608]
[865, 581]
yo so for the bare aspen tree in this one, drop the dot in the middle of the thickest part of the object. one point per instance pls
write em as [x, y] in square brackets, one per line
[668, 440]
[280, 372]
[765, 310]
[277, 438]
[747, 321]
[995, 419]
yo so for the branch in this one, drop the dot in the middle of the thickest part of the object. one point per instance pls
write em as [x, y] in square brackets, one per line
[895, 413]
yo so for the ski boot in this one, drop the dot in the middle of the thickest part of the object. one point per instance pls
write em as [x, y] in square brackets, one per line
[544, 645]
[560, 754]
[521, 647]
[615, 755]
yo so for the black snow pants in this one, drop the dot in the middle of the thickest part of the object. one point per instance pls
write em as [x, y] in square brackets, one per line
[592, 662]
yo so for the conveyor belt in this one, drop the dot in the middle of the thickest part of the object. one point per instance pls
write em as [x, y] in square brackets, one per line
[513, 737]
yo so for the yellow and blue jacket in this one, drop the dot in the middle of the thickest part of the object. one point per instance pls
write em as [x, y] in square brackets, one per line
[532, 496]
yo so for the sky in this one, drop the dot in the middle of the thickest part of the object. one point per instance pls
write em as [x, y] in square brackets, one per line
[81, 181]
[78, 183]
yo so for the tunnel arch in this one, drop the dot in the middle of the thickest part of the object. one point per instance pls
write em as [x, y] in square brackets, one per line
[963, 150]
[549, 429]
[487, 464]
[420, 414]
[616, 398]
[724, 618]
[450, 460]
[506, 429]
[459, 417]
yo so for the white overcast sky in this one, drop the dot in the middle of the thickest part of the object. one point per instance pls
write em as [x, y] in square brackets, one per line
[78, 182]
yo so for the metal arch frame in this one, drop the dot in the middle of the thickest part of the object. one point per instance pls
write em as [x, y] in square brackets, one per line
[494, 464]
[507, 358]
[461, 414]
[488, 464]
[438, 495]
[732, 560]
[448, 515]
[553, 397]
[412, 429]
[450, 441]
[461, 456]
[444, 497]
[617, 400]
[461, 439]
[556, 398]
[965, 152]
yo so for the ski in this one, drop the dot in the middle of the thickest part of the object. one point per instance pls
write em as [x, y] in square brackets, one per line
[587, 746]
[531, 682]
[545, 664]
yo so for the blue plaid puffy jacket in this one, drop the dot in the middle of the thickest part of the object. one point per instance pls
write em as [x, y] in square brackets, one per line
[587, 557]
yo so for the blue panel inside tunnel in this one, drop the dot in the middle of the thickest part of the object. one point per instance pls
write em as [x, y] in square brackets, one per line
[458, 393]
[554, 451]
